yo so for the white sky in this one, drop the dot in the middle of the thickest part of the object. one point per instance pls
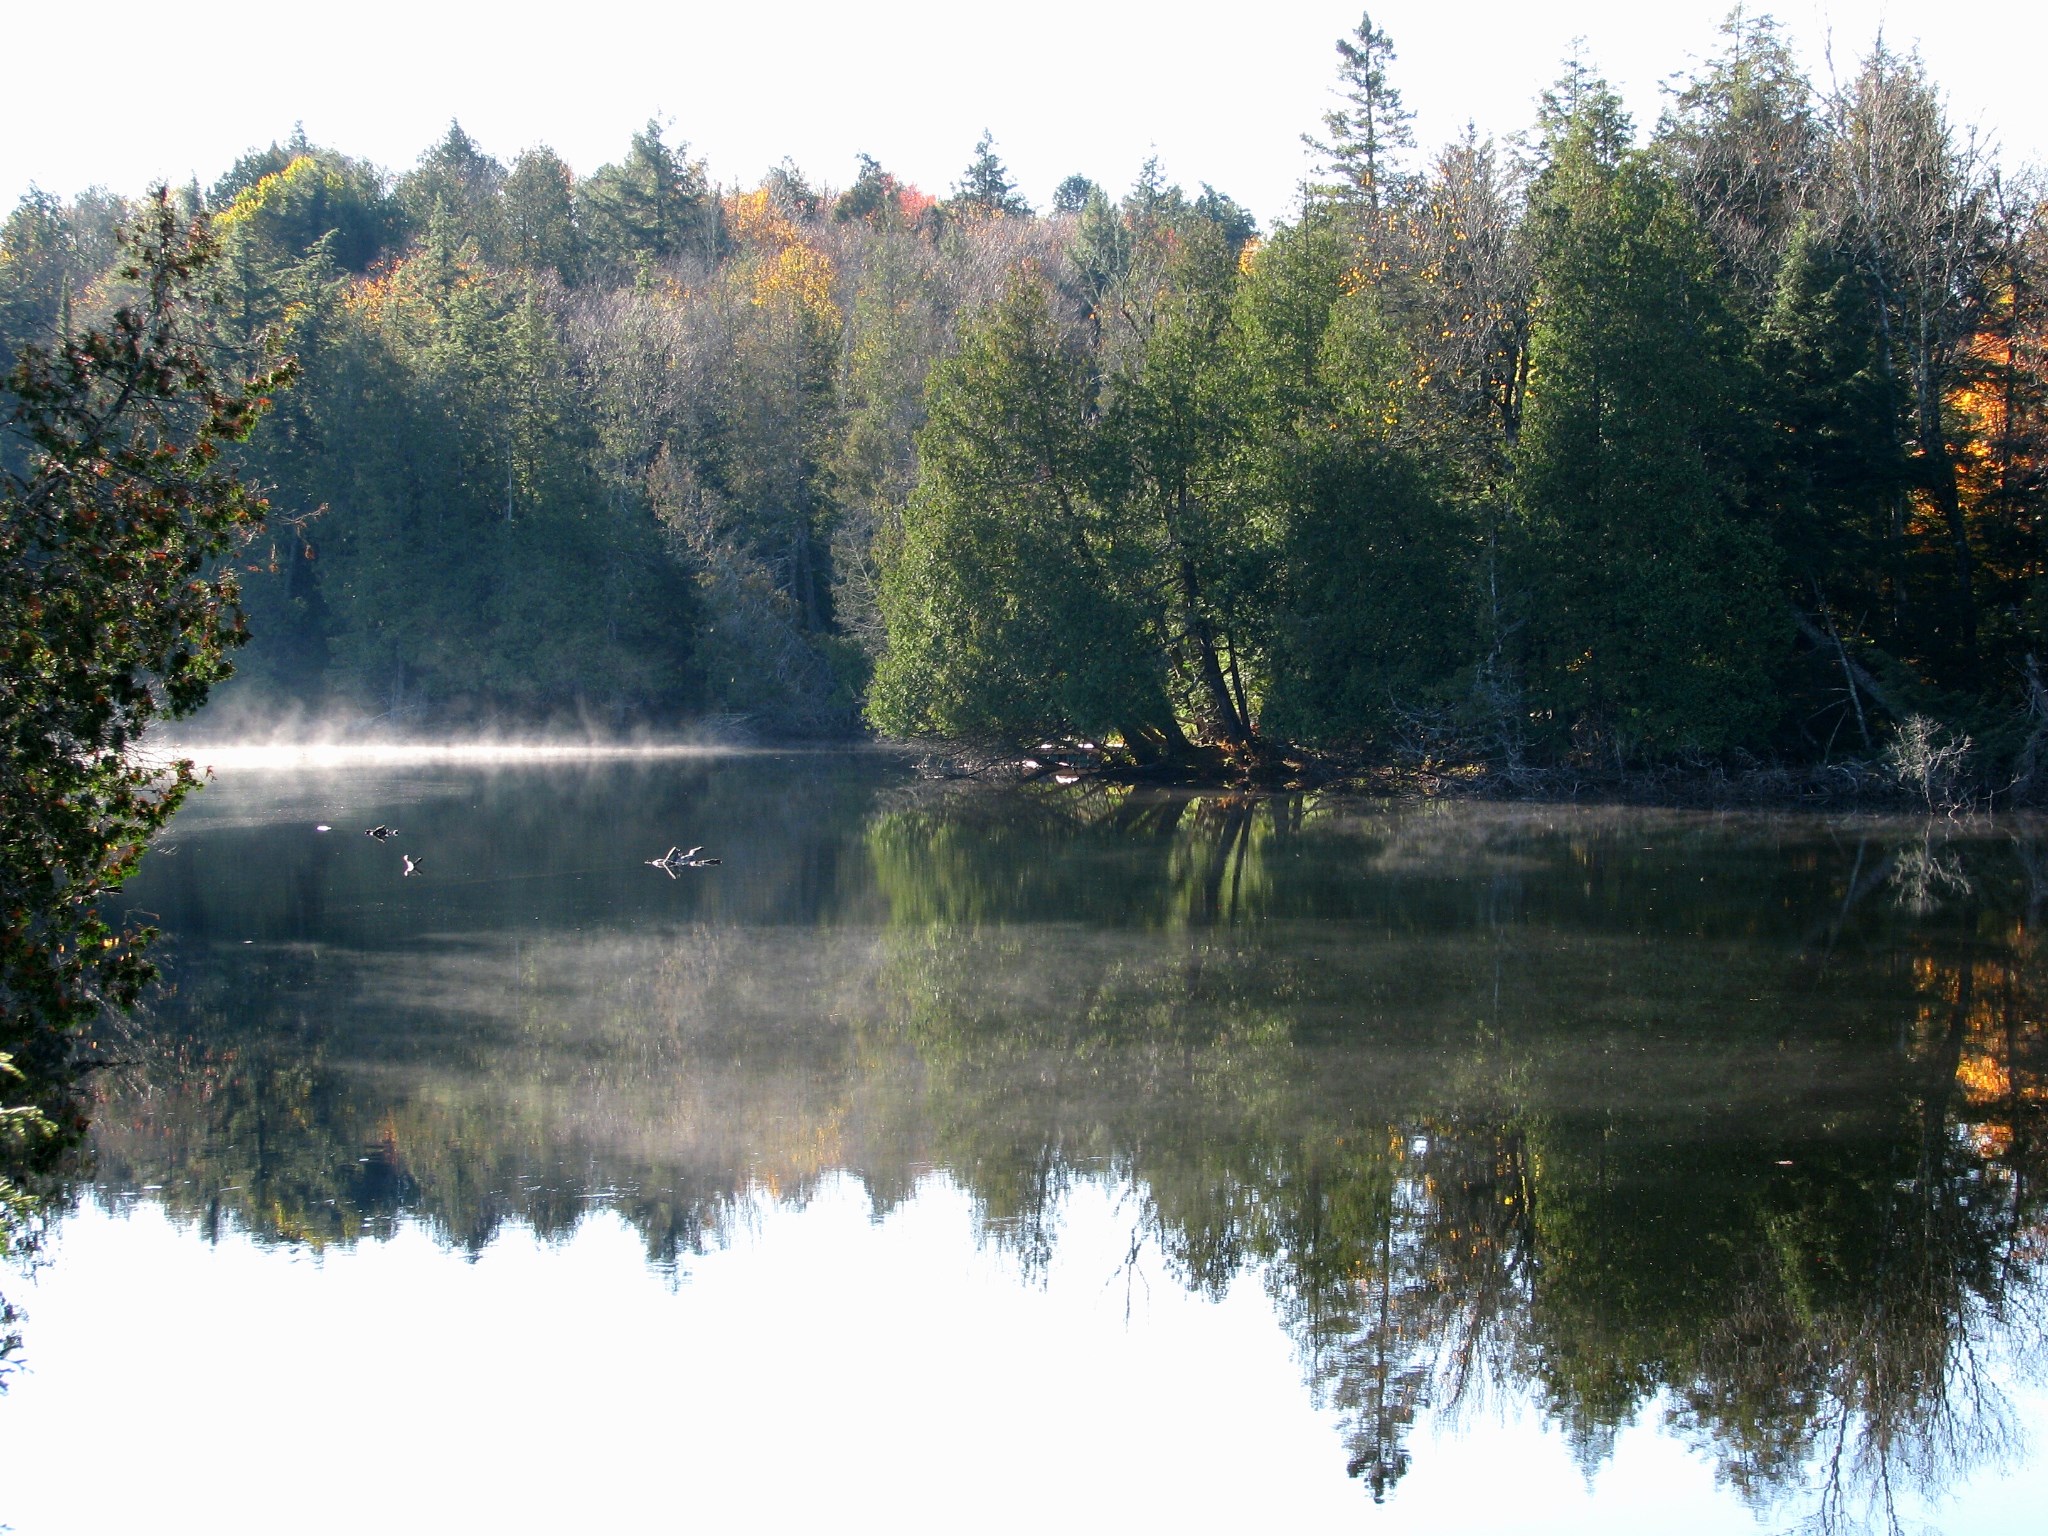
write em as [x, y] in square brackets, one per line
[1220, 91]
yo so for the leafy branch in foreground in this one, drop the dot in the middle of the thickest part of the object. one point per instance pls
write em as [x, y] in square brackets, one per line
[116, 504]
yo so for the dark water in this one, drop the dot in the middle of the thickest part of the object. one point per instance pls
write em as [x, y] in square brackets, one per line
[1060, 1157]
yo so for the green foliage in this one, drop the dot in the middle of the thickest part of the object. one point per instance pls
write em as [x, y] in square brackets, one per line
[1072, 194]
[1174, 426]
[1736, 443]
[318, 197]
[460, 184]
[1366, 135]
[649, 208]
[116, 507]
[1232, 219]
[893, 332]
[541, 228]
[872, 199]
[476, 562]
[1830, 469]
[1102, 249]
[1373, 562]
[45, 262]
[1012, 605]
[1744, 139]
[1652, 621]
[986, 191]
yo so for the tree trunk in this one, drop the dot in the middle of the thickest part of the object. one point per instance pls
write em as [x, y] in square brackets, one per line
[1941, 480]
[1235, 731]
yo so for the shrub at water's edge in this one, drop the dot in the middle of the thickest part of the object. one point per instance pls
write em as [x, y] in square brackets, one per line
[117, 508]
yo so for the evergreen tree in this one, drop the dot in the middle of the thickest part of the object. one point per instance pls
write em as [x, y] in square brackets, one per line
[458, 178]
[1365, 137]
[986, 191]
[872, 196]
[1831, 469]
[1653, 617]
[1827, 473]
[541, 229]
[1232, 219]
[40, 270]
[117, 609]
[1368, 581]
[895, 328]
[651, 207]
[1011, 603]
[1101, 251]
[1581, 109]
[1908, 197]
[1071, 195]
[1744, 140]
[1169, 434]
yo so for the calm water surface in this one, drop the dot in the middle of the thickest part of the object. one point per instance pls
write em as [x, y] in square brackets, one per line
[1062, 1158]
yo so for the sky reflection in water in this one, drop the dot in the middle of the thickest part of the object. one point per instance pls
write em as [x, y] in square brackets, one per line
[1203, 1160]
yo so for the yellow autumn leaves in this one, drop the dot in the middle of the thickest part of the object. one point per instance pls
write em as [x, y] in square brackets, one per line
[784, 269]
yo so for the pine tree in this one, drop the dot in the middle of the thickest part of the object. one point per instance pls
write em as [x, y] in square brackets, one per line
[1364, 139]
[1744, 141]
[458, 177]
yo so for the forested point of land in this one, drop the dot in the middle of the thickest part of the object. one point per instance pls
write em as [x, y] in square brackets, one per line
[1722, 442]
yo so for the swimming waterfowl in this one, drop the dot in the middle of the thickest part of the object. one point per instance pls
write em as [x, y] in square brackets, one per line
[679, 858]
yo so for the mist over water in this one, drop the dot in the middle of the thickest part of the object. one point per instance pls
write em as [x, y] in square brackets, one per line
[1426, 1148]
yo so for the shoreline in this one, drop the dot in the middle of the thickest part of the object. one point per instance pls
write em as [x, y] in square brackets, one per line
[1842, 786]
[1833, 787]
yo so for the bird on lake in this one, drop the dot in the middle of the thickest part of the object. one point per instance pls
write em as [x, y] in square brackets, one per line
[412, 864]
[679, 858]
[381, 832]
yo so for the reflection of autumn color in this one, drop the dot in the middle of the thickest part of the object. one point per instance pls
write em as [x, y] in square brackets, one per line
[1991, 1011]
[1803, 1269]
[2004, 1029]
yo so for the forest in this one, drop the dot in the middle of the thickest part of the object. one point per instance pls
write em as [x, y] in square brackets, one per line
[1719, 441]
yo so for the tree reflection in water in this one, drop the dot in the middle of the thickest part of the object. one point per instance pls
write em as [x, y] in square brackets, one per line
[1624, 1114]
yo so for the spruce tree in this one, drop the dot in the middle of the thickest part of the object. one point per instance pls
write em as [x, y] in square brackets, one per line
[986, 191]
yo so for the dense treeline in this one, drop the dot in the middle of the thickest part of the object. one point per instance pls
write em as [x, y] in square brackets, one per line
[1592, 447]
[1591, 450]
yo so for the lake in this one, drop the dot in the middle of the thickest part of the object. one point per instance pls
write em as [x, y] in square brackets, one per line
[1070, 1157]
